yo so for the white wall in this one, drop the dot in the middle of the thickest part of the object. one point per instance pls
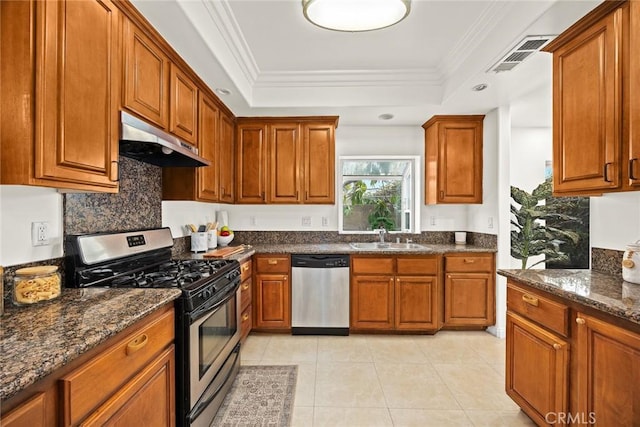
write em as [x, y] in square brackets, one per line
[615, 220]
[19, 207]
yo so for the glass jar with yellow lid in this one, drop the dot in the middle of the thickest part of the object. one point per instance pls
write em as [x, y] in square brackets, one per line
[35, 284]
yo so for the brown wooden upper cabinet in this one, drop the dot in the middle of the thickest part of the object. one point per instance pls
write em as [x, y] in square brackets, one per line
[226, 158]
[183, 106]
[285, 160]
[596, 113]
[146, 78]
[453, 159]
[67, 67]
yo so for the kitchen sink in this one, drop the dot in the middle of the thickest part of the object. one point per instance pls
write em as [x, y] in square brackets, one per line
[387, 246]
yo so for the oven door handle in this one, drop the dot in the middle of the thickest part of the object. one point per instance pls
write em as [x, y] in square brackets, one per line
[200, 311]
[211, 392]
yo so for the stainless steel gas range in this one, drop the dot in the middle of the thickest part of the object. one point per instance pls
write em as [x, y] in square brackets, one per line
[207, 313]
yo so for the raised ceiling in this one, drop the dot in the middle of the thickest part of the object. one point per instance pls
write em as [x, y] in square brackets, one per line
[274, 62]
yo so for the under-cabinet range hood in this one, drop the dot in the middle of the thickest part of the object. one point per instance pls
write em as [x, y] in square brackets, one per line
[141, 141]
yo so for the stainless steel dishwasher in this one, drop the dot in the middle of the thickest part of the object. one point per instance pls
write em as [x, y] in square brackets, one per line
[319, 294]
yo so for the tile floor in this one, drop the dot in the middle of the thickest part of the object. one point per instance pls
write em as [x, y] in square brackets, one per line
[453, 378]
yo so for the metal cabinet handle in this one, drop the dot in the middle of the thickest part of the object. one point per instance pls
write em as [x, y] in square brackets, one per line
[136, 344]
[556, 346]
[606, 172]
[284, 278]
[245, 286]
[245, 317]
[631, 162]
[580, 321]
[245, 267]
[469, 261]
[528, 299]
[272, 261]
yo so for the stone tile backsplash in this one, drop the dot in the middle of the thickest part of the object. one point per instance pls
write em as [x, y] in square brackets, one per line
[137, 205]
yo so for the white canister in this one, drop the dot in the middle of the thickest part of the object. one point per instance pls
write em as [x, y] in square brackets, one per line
[212, 239]
[198, 242]
[631, 263]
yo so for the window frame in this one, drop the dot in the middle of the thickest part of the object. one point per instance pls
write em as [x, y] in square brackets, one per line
[416, 201]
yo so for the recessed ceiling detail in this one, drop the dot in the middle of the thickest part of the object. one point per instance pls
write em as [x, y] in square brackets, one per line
[523, 49]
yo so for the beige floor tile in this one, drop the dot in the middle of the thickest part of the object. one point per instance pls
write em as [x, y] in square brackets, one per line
[302, 416]
[491, 351]
[395, 350]
[468, 377]
[254, 346]
[292, 348]
[348, 385]
[448, 350]
[306, 384]
[351, 417]
[414, 385]
[515, 418]
[427, 418]
[344, 349]
[245, 362]
[472, 400]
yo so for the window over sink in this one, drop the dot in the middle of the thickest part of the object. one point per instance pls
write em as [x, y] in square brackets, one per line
[378, 192]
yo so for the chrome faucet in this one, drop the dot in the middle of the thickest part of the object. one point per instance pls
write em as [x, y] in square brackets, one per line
[382, 232]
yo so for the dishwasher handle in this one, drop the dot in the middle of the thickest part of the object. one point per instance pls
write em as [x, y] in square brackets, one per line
[319, 261]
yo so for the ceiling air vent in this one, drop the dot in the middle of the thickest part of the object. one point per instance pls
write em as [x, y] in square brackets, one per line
[520, 52]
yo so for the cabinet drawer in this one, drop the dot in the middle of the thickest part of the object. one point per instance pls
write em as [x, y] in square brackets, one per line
[245, 293]
[86, 388]
[469, 263]
[372, 265]
[245, 322]
[418, 265]
[272, 264]
[246, 270]
[550, 314]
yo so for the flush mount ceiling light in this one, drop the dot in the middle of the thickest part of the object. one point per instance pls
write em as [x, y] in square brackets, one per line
[223, 91]
[386, 116]
[480, 87]
[355, 15]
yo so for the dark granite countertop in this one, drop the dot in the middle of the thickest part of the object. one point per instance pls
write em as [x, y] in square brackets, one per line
[344, 248]
[38, 339]
[600, 291]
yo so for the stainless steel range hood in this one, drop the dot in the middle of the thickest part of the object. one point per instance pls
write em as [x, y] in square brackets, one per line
[141, 141]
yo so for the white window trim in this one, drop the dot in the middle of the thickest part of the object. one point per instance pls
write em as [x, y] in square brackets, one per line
[417, 192]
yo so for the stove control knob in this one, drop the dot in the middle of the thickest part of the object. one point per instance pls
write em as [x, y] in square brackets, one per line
[206, 293]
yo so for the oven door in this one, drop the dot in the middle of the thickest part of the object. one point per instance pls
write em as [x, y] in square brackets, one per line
[212, 337]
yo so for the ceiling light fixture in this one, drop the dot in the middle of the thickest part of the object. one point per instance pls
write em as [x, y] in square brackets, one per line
[386, 116]
[480, 87]
[355, 15]
[223, 91]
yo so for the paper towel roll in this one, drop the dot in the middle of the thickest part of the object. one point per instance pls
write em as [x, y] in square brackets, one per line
[223, 218]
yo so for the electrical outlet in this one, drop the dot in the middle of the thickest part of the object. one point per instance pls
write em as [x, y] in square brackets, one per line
[252, 220]
[39, 233]
[432, 220]
[306, 221]
[490, 222]
[325, 221]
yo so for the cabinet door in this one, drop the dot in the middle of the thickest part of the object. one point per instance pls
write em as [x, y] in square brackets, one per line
[587, 109]
[273, 301]
[226, 159]
[634, 93]
[183, 106]
[608, 373]
[146, 77]
[78, 92]
[319, 163]
[31, 413]
[208, 132]
[416, 302]
[251, 163]
[537, 369]
[469, 299]
[284, 155]
[372, 302]
[148, 399]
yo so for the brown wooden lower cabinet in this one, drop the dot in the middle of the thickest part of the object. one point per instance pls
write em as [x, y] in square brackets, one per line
[372, 303]
[246, 317]
[469, 290]
[272, 292]
[568, 364]
[608, 373]
[537, 371]
[128, 380]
